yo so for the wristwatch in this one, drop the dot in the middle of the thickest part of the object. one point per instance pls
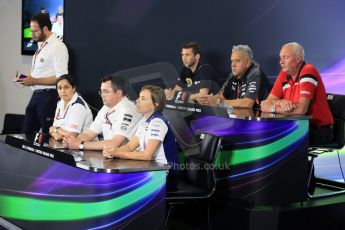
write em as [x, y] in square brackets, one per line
[81, 145]
[273, 109]
[221, 102]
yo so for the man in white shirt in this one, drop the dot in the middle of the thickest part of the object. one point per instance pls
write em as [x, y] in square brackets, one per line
[49, 62]
[57, 28]
[117, 120]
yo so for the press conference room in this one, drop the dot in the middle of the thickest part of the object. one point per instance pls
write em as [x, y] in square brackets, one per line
[244, 126]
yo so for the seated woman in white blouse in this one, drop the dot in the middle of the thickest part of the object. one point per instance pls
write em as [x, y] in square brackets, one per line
[72, 115]
[154, 139]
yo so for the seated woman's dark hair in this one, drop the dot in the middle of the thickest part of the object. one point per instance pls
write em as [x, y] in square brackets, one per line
[68, 78]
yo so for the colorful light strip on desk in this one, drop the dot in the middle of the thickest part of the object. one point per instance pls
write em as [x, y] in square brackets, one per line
[248, 141]
[65, 193]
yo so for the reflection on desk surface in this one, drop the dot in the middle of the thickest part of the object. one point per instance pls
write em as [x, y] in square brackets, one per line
[87, 159]
[56, 144]
[233, 112]
[96, 161]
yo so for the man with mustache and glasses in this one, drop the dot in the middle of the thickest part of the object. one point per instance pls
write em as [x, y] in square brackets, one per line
[246, 86]
[117, 120]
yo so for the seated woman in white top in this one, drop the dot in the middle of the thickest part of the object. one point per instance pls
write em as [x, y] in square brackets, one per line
[72, 115]
[154, 136]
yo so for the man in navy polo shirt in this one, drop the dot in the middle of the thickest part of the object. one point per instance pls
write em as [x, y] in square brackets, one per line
[196, 78]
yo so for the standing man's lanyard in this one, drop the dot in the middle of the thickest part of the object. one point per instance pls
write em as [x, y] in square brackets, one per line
[37, 52]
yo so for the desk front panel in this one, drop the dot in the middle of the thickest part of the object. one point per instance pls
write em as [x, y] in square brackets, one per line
[40, 193]
[260, 162]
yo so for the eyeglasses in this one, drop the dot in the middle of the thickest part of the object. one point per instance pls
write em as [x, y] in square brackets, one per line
[35, 31]
[104, 91]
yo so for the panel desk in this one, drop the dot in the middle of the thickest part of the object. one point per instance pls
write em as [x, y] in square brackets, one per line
[263, 158]
[45, 188]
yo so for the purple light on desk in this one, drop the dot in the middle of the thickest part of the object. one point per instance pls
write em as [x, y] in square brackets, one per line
[52, 181]
[334, 78]
[228, 127]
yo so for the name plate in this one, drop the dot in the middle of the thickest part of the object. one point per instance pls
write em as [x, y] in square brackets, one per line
[221, 111]
[21, 143]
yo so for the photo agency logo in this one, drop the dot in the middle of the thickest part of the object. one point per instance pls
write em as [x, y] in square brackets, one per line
[198, 166]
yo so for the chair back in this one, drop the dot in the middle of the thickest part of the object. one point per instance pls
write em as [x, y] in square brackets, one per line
[13, 123]
[209, 147]
[199, 181]
[201, 167]
[337, 107]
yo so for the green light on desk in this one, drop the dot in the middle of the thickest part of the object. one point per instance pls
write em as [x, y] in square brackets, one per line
[38, 209]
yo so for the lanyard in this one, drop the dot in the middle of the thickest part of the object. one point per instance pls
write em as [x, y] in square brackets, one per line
[58, 114]
[37, 52]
